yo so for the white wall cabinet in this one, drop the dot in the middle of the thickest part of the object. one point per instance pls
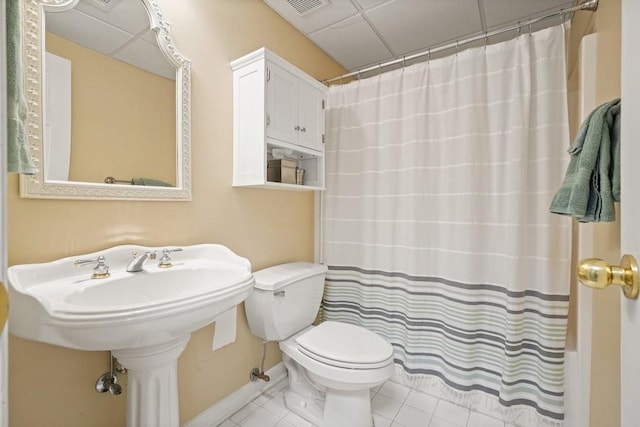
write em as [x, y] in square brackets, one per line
[277, 107]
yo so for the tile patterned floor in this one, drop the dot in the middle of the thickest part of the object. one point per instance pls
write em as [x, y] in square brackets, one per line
[393, 404]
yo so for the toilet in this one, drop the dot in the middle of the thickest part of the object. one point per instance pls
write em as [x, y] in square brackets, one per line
[332, 366]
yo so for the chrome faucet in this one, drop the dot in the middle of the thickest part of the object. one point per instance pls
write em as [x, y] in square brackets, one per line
[138, 259]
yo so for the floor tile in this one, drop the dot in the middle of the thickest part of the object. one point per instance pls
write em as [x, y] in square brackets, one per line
[455, 414]
[296, 420]
[394, 391]
[260, 418]
[392, 404]
[477, 419]
[244, 412]
[422, 401]
[439, 422]
[380, 421]
[412, 417]
[276, 405]
[384, 406]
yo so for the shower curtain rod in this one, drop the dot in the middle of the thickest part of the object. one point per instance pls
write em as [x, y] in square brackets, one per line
[591, 5]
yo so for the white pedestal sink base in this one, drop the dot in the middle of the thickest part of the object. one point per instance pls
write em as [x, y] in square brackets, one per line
[152, 390]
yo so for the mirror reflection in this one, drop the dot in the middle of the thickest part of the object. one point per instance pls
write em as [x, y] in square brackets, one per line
[110, 97]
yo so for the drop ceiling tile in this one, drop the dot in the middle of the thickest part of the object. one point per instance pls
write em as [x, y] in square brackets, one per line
[499, 12]
[86, 30]
[150, 36]
[335, 11]
[352, 43]
[148, 57]
[411, 25]
[368, 4]
[128, 15]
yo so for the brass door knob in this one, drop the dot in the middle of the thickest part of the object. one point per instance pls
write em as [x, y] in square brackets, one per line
[597, 274]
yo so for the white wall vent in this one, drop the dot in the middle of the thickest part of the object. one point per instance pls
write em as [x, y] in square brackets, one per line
[307, 6]
[103, 5]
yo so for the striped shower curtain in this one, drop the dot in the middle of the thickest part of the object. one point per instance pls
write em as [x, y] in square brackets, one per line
[436, 225]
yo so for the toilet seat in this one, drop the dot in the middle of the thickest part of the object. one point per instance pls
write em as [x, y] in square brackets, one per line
[345, 346]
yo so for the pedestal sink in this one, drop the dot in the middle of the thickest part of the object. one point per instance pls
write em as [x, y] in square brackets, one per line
[144, 318]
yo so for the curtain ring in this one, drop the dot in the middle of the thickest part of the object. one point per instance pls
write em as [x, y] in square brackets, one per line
[428, 54]
[404, 63]
[358, 75]
[530, 30]
[486, 39]
[519, 28]
[457, 46]
[379, 68]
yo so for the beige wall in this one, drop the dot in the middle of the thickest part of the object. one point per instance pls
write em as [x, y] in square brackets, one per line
[121, 116]
[52, 386]
[581, 25]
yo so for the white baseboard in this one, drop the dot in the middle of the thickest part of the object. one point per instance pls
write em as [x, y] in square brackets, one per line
[222, 410]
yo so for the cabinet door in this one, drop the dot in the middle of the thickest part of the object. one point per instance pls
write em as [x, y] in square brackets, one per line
[282, 104]
[310, 116]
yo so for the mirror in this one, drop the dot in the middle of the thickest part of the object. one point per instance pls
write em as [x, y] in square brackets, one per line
[108, 102]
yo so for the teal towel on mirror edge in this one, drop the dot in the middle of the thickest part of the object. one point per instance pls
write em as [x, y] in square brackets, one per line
[150, 182]
[18, 155]
[592, 182]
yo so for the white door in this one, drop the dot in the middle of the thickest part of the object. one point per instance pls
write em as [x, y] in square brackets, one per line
[630, 210]
[282, 104]
[310, 116]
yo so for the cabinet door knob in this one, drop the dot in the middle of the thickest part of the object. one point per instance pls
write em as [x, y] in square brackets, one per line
[296, 128]
[303, 129]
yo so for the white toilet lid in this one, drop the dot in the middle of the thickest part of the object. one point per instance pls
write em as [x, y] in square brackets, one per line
[345, 345]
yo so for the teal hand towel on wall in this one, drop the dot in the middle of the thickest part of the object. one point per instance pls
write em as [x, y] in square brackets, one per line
[18, 155]
[592, 182]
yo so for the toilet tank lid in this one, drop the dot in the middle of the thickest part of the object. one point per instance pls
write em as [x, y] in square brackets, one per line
[278, 276]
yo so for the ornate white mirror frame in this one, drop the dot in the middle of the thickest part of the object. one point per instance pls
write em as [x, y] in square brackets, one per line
[35, 186]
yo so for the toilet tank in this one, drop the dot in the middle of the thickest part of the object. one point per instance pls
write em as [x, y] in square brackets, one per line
[285, 300]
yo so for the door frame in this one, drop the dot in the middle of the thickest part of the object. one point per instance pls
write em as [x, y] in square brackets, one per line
[4, 334]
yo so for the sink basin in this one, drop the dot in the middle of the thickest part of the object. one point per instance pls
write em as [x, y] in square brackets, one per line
[59, 303]
[145, 318]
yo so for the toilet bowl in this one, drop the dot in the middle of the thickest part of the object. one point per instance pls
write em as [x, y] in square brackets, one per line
[330, 367]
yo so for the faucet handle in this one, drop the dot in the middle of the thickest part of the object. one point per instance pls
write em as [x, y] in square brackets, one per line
[165, 261]
[100, 271]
